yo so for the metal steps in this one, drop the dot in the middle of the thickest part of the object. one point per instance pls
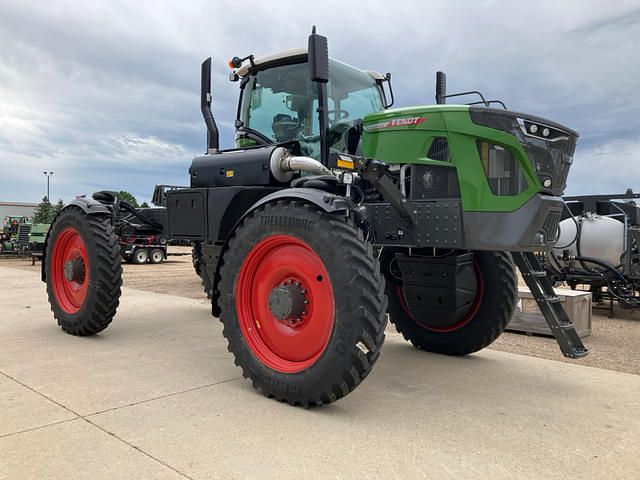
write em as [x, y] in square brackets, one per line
[549, 303]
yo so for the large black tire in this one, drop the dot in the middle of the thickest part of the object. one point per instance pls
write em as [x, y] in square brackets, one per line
[79, 243]
[486, 320]
[200, 267]
[321, 258]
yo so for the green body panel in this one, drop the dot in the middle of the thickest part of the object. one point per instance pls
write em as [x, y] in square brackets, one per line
[404, 135]
[38, 232]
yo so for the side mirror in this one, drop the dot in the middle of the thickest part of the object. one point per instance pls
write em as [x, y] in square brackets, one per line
[441, 88]
[318, 57]
[381, 81]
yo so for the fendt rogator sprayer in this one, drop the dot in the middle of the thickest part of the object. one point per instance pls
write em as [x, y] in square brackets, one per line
[287, 227]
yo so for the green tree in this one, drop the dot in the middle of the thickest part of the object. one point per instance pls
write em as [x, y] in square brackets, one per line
[43, 212]
[57, 209]
[144, 205]
[127, 197]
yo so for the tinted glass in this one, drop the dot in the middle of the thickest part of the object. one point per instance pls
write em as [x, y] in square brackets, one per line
[281, 103]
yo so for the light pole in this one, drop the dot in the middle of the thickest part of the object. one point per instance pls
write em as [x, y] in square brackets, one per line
[48, 174]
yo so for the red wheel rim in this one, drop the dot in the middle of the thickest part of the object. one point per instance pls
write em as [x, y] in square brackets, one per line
[459, 324]
[280, 344]
[70, 294]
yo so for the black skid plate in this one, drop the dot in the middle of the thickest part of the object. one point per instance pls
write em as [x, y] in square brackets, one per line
[439, 291]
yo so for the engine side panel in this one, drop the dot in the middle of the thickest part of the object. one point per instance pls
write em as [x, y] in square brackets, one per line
[232, 168]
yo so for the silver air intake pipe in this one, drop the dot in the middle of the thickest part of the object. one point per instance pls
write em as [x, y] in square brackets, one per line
[283, 164]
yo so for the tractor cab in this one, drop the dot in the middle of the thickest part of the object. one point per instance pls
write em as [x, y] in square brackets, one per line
[279, 103]
[12, 222]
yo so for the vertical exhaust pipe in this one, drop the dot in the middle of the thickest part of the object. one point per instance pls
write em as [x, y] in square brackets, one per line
[205, 107]
[441, 88]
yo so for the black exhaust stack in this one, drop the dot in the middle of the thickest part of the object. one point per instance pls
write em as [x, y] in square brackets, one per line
[319, 73]
[205, 106]
[441, 88]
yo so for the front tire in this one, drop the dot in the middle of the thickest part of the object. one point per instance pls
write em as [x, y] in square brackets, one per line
[303, 303]
[487, 316]
[83, 271]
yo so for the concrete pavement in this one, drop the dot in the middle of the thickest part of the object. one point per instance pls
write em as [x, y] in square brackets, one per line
[156, 395]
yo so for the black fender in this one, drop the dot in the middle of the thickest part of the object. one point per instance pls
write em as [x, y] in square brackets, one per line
[329, 202]
[89, 206]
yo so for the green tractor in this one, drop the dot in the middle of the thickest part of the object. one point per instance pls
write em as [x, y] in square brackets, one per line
[13, 225]
[37, 236]
[12, 222]
[334, 212]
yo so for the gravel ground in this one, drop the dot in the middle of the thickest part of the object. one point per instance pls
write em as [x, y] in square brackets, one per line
[614, 343]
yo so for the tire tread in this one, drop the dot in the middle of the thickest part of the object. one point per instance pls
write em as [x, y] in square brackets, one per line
[360, 276]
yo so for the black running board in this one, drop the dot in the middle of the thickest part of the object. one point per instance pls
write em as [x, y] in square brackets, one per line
[550, 306]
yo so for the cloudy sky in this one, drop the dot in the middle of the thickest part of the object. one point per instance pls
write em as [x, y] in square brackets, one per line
[106, 93]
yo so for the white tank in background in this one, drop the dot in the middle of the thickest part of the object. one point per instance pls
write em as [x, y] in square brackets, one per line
[601, 238]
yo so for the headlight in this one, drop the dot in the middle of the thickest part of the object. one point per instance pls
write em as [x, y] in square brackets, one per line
[539, 130]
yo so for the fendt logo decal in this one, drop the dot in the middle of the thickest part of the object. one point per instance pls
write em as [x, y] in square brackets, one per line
[396, 122]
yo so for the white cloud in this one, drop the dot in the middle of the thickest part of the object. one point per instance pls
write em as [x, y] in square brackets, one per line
[608, 168]
[89, 88]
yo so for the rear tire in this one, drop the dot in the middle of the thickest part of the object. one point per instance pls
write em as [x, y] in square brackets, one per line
[157, 256]
[322, 351]
[140, 256]
[486, 321]
[83, 271]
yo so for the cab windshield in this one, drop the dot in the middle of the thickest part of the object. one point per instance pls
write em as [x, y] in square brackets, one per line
[280, 103]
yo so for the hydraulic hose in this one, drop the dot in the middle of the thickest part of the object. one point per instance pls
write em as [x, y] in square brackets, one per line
[578, 229]
[603, 264]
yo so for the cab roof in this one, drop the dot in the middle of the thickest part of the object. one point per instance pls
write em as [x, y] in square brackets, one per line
[283, 57]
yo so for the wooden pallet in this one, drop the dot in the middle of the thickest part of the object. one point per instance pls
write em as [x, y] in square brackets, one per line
[528, 318]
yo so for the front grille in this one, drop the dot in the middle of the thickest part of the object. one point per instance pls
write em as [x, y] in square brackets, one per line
[23, 235]
[434, 181]
[551, 160]
[550, 226]
[563, 172]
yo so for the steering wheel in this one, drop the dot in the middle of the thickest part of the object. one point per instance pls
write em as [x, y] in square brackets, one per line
[341, 115]
[337, 131]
